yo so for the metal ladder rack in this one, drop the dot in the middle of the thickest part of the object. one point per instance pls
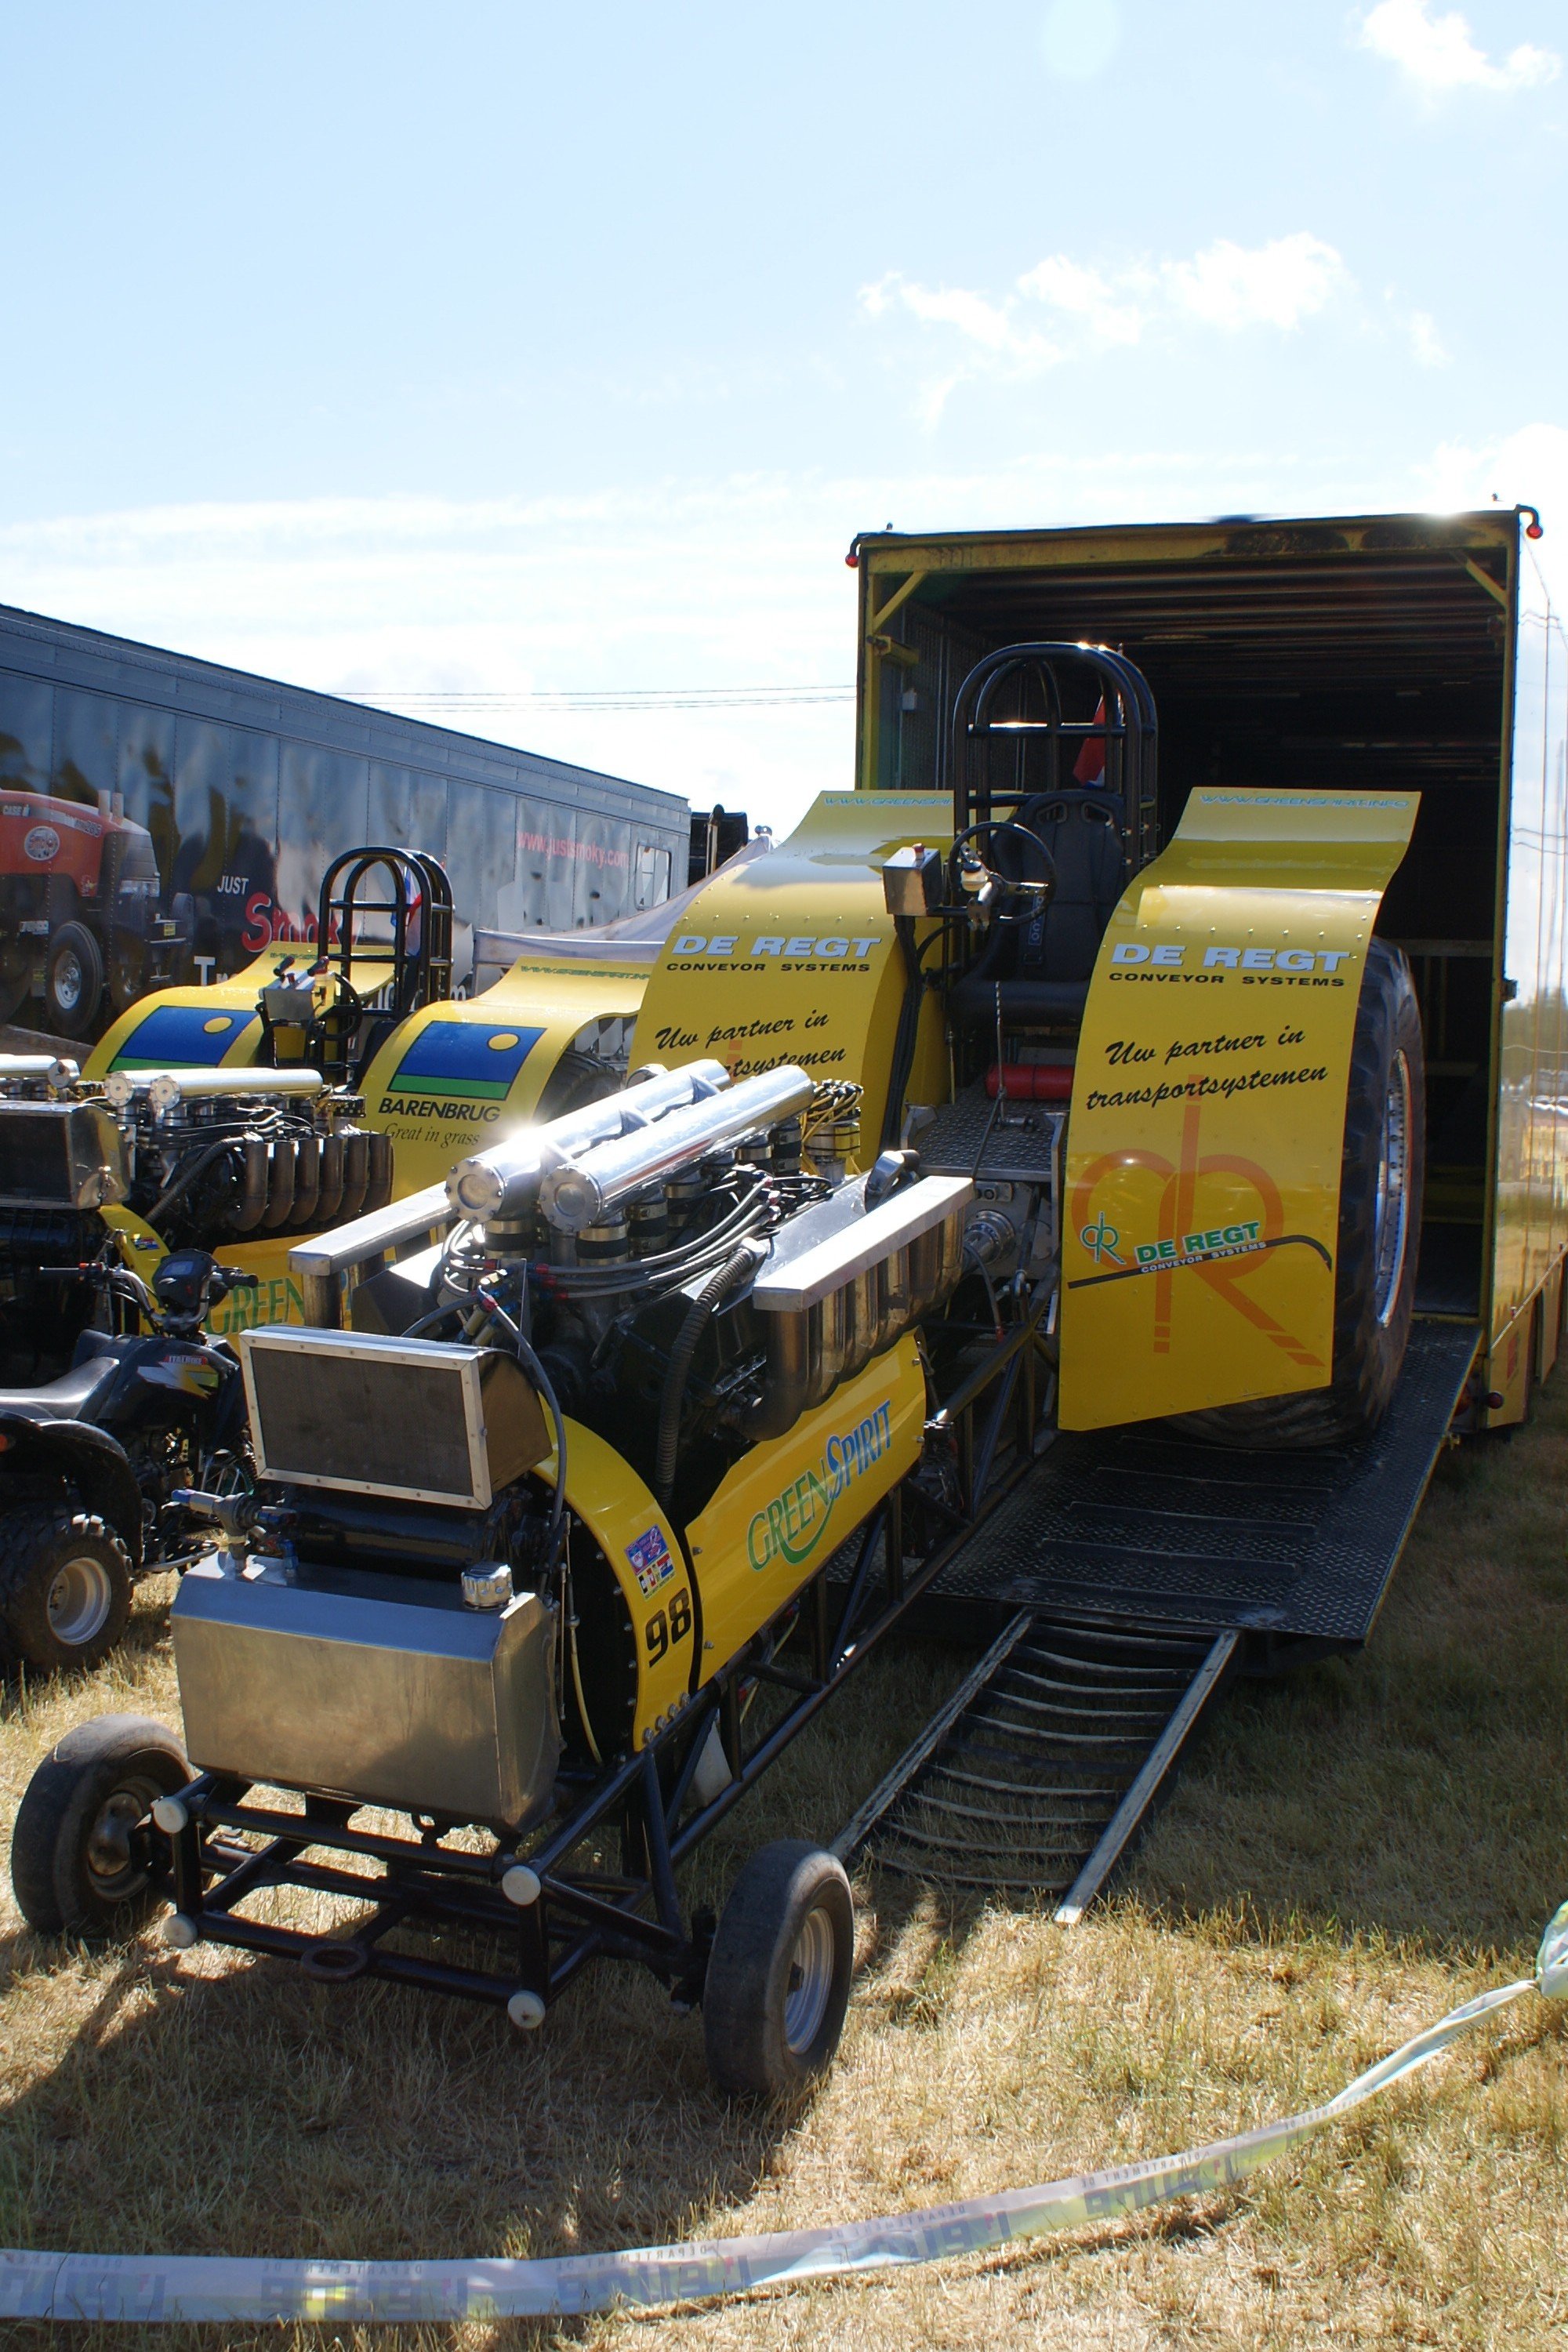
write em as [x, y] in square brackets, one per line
[1038, 1770]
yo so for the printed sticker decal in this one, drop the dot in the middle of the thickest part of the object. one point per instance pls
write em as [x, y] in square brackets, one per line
[463, 1057]
[650, 1561]
[183, 1036]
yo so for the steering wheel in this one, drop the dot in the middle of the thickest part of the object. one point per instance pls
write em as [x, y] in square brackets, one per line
[975, 879]
[335, 995]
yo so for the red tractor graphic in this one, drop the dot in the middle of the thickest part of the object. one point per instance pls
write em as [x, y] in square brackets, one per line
[80, 920]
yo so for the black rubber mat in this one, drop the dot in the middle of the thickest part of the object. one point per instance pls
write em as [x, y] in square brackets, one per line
[1134, 1522]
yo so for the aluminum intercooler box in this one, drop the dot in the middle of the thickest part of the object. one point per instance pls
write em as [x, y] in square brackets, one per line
[60, 1155]
[408, 1418]
[384, 1689]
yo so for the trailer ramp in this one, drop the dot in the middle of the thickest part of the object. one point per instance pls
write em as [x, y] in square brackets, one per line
[1128, 1574]
[1291, 1549]
[1042, 1762]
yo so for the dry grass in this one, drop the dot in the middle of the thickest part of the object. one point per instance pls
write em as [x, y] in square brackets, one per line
[1345, 1856]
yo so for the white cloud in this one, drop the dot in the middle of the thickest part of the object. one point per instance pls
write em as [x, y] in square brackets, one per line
[719, 584]
[990, 325]
[1085, 295]
[1275, 285]
[1438, 53]
[1425, 343]
[1061, 310]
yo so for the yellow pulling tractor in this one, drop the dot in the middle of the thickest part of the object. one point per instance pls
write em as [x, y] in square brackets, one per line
[1012, 1215]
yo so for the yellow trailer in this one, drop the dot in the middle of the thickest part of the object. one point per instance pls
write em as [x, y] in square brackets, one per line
[1415, 657]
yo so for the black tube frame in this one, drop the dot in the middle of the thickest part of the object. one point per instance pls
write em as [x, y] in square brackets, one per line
[422, 976]
[1130, 732]
[588, 1912]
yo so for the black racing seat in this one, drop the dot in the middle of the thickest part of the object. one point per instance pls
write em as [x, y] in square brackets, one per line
[1042, 966]
[70, 1397]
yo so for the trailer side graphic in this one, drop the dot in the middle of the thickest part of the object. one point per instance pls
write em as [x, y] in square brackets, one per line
[163, 820]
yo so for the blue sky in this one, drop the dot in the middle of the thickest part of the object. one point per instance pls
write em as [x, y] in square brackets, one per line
[522, 354]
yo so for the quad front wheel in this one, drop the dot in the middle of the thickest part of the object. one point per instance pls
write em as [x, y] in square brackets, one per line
[84, 1859]
[778, 1975]
[64, 1589]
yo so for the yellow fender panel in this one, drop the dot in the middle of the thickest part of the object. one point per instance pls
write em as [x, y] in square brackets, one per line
[792, 958]
[453, 1076]
[787, 1505]
[428, 1088]
[645, 1555]
[195, 1028]
[1200, 1206]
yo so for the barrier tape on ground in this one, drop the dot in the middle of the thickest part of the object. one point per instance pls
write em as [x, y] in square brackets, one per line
[200, 2287]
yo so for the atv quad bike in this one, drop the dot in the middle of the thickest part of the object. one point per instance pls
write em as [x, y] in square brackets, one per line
[112, 1201]
[948, 1135]
[92, 1464]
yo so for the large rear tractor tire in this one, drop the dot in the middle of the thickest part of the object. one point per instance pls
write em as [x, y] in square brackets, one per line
[778, 1975]
[84, 1861]
[1380, 1176]
[576, 1081]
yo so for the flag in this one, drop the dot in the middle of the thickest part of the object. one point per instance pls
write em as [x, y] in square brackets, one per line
[1089, 768]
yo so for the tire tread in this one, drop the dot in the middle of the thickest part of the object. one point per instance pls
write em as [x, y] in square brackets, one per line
[1366, 1358]
[24, 1534]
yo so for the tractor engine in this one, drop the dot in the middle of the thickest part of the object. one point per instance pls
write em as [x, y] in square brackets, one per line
[220, 1155]
[695, 1282]
[659, 1289]
[205, 1159]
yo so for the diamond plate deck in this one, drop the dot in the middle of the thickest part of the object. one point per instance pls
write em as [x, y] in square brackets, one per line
[1135, 1522]
[968, 1137]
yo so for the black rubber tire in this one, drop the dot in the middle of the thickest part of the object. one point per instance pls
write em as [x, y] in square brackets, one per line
[73, 950]
[124, 1762]
[1368, 1349]
[576, 1080]
[788, 1892]
[36, 1549]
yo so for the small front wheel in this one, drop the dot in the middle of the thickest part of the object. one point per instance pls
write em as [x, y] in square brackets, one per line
[84, 1857]
[64, 1589]
[778, 1975]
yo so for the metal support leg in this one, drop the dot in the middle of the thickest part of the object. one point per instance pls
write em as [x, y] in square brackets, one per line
[533, 1949]
[187, 1889]
[893, 1545]
[857, 1591]
[667, 1902]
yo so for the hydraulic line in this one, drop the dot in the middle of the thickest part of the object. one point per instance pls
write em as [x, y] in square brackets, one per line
[187, 1176]
[569, 1623]
[699, 1315]
[540, 1379]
